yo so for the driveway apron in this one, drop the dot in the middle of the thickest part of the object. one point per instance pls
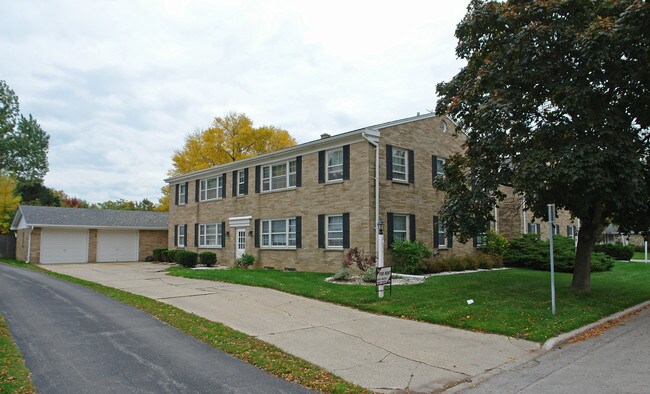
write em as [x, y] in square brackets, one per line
[377, 352]
[75, 340]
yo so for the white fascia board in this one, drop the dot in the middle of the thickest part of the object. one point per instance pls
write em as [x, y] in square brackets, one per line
[98, 227]
[273, 157]
[18, 221]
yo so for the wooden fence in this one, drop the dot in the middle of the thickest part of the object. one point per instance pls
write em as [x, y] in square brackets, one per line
[8, 246]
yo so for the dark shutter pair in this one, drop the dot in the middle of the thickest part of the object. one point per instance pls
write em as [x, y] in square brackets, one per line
[390, 226]
[258, 232]
[235, 182]
[322, 231]
[410, 163]
[436, 234]
[322, 164]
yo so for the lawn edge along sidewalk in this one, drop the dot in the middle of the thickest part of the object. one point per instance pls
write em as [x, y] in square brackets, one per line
[294, 369]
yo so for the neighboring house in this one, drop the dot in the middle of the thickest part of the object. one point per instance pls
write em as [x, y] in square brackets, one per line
[300, 207]
[612, 235]
[49, 235]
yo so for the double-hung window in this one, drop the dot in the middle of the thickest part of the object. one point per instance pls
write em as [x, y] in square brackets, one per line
[400, 228]
[440, 166]
[442, 235]
[210, 235]
[400, 160]
[211, 188]
[279, 176]
[279, 233]
[334, 231]
[334, 164]
[182, 194]
[241, 182]
[181, 235]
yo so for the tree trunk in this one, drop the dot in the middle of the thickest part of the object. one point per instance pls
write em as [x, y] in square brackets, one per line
[590, 228]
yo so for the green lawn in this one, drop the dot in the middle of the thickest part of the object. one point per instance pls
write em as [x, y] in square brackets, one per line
[14, 376]
[640, 255]
[513, 302]
[254, 351]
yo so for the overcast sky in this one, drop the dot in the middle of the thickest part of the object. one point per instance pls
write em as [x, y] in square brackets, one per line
[118, 84]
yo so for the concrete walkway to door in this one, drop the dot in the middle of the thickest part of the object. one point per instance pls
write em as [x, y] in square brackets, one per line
[377, 352]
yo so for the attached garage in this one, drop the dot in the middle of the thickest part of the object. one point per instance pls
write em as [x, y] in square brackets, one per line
[53, 235]
[64, 246]
[115, 245]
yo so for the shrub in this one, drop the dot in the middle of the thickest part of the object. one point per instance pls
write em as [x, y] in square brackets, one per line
[617, 251]
[164, 255]
[495, 243]
[158, 254]
[208, 259]
[409, 257]
[342, 274]
[186, 258]
[245, 261]
[171, 255]
[370, 275]
[529, 252]
[360, 258]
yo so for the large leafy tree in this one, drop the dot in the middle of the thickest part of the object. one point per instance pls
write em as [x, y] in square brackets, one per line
[23, 143]
[554, 100]
[9, 202]
[230, 138]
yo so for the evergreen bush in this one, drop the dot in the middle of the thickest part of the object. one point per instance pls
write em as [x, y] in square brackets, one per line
[208, 259]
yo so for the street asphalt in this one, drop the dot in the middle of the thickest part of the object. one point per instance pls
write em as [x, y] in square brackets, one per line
[618, 361]
[77, 341]
[381, 353]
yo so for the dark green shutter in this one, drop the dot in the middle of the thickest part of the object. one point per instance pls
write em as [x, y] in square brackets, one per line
[223, 234]
[197, 188]
[321, 166]
[346, 162]
[177, 192]
[321, 231]
[434, 168]
[258, 179]
[450, 240]
[176, 234]
[298, 232]
[412, 228]
[187, 189]
[346, 230]
[245, 180]
[235, 183]
[436, 241]
[196, 234]
[411, 160]
[223, 183]
[257, 233]
[298, 171]
[538, 229]
[389, 163]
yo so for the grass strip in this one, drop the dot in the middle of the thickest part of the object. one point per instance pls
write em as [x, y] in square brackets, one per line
[640, 255]
[513, 302]
[14, 375]
[251, 350]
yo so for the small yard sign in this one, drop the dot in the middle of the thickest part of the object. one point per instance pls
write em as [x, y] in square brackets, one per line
[383, 276]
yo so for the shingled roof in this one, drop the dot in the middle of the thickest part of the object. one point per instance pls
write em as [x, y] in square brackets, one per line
[89, 218]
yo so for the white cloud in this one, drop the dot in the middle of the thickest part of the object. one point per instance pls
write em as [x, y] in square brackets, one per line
[118, 84]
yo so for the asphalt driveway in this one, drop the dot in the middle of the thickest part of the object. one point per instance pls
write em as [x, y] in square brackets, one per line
[377, 352]
[77, 341]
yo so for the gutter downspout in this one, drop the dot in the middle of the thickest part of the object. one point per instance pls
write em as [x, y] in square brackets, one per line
[374, 140]
[29, 244]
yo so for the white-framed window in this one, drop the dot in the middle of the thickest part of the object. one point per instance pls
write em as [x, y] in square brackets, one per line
[334, 233]
[279, 176]
[400, 228]
[241, 182]
[182, 194]
[279, 233]
[334, 164]
[440, 166]
[572, 231]
[400, 160]
[532, 228]
[556, 229]
[211, 188]
[181, 235]
[210, 235]
[442, 235]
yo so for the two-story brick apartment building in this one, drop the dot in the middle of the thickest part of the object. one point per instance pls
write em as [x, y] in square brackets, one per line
[300, 207]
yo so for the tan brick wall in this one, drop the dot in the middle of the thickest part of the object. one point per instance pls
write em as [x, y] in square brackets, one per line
[22, 237]
[35, 255]
[426, 139]
[307, 201]
[149, 240]
[92, 245]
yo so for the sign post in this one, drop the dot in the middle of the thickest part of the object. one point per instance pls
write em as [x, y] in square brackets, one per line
[384, 277]
[551, 216]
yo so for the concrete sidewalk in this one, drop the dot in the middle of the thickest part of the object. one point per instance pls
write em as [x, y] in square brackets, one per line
[377, 352]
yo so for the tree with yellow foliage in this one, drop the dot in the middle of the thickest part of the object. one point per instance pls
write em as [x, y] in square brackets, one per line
[9, 202]
[229, 138]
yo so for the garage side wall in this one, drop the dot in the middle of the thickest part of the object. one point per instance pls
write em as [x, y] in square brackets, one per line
[149, 240]
[35, 256]
[22, 237]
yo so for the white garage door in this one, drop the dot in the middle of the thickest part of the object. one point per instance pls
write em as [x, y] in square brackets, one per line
[117, 246]
[64, 246]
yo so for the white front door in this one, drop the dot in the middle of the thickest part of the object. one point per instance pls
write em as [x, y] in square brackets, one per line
[240, 240]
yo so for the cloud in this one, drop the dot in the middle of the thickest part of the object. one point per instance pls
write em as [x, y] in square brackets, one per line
[118, 84]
